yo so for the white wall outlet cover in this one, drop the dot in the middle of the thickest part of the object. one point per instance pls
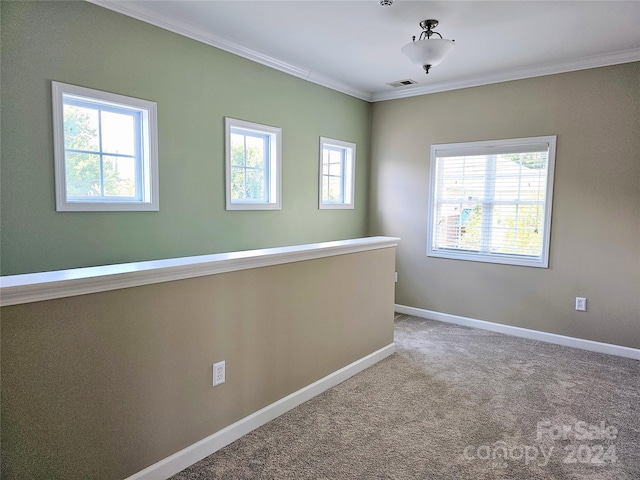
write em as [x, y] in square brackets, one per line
[219, 373]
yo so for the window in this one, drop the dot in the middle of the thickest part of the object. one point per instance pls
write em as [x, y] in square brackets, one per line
[253, 160]
[337, 173]
[105, 149]
[491, 201]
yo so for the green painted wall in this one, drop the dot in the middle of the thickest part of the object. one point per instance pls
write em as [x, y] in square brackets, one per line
[195, 87]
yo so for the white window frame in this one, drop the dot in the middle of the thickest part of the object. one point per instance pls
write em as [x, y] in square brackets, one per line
[348, 176]
[146, 158]
[273, 166]
[515, 145]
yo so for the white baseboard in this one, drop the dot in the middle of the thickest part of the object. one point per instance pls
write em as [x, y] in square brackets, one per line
[205, 447]
[608, 348]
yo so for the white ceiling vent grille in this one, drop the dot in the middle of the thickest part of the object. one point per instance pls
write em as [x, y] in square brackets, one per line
[402, 83]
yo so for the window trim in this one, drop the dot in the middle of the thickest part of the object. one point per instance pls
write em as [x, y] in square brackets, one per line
[495, 146]
[348, 175]
[148, 137]
[274, 173]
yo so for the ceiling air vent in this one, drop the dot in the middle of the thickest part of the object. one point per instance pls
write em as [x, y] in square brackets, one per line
[402, 83]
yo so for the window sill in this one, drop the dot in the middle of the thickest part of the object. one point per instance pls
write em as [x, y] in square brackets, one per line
[253, 206]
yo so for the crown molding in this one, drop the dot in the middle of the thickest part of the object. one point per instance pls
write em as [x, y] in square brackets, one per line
[200, 35]
[584, 63]
[187, 30]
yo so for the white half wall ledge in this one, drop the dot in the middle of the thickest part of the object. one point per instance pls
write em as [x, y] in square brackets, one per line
[600, 347]
[211, 444]
[35, 287]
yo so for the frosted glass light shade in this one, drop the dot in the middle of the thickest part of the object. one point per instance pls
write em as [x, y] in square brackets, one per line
[430, 51]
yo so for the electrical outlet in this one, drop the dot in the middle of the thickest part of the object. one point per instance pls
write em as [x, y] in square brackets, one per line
[218, 373]
[581, 304]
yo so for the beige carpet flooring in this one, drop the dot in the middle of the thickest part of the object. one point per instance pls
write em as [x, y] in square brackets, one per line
[455, 403]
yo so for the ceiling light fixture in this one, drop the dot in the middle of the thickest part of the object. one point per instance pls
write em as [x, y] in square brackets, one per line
[385, 3]
[428, 51]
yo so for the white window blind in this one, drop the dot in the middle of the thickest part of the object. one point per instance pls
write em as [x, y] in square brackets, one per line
[491, 201]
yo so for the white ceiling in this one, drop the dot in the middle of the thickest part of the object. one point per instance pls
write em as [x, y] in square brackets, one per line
[354, 46]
